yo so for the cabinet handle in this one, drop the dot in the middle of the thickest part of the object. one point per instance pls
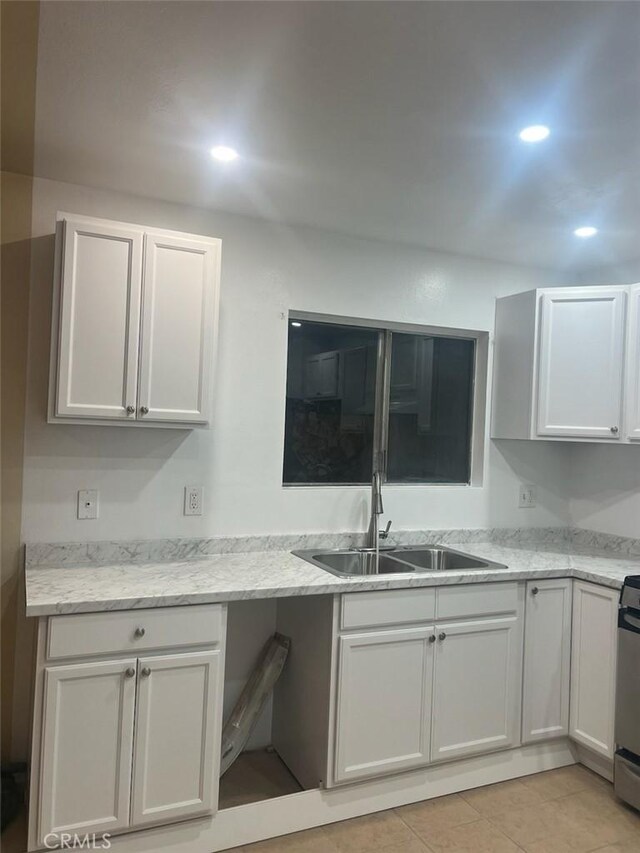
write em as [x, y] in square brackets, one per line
[614, 429]
[432, 638]
[145, 671]
[139, 632]
[130, 410]
[442, 636]
[144, 410]
[130, 672]
[535, 590]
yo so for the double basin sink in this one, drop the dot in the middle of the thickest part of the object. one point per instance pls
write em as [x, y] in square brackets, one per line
[390, 561]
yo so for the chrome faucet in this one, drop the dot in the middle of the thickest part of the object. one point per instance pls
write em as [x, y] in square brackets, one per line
[377, 509]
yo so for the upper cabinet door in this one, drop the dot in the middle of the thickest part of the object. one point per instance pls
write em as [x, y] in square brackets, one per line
[179, 325]
[633, 366]
[99, 320]
[581, 362]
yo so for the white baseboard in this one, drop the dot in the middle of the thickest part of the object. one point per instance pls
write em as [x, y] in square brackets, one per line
[598, 763]
[269, 818]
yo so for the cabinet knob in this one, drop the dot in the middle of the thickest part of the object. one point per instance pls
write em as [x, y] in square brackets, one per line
[139, 632]
[432, 638]
[144, 410]
[614, 429]
[130, 672]
[442, 636]
[145, 672]
[535, 590]
[130, 410]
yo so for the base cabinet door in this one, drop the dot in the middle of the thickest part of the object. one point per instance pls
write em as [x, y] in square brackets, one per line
[593, 666]
[178, 734]
[476, 687]
[384, 702]
[86, 749]
[547, 657]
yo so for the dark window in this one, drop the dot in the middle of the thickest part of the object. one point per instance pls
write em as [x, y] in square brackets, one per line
[331, 391]
[336, 409]
[430, 409]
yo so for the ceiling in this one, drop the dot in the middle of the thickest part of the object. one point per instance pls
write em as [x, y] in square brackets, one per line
[390, 120]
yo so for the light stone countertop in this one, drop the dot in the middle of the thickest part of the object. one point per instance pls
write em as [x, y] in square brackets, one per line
[278, 574]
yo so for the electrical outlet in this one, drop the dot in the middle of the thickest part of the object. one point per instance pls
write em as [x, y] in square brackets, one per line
[193, 498]
[527, 498]
[87, 503]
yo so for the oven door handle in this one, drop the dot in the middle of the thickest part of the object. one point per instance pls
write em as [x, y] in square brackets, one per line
[628, 622]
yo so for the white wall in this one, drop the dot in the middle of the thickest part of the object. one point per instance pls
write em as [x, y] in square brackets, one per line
[604, 489]
[267, 270]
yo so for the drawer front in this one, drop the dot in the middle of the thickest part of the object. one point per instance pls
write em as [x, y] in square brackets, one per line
[478, 599]
[390, 607]
[133, 631]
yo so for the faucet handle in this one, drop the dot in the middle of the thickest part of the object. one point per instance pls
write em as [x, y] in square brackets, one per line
[385, 533]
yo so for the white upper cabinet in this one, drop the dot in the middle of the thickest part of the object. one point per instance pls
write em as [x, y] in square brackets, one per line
[135, 324]
[633, 366]
[581, 362]
[99, 319]
[559, 367]
[177, 328]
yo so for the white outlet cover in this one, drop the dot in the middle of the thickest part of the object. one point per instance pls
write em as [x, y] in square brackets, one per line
[87, 503]
[193, 500]
[528, 496]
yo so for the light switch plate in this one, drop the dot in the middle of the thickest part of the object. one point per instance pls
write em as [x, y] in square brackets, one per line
[527, 498]
[193, 499]
[87, 503]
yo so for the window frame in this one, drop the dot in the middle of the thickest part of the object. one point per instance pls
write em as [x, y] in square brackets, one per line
[385, 331]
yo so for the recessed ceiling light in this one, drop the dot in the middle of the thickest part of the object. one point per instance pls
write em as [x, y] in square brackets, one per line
[534, 133]
[296, 323]
[586, 231]
[224, 154]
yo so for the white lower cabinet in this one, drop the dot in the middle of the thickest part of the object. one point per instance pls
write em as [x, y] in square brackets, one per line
[87, 743]
[476, 687]
[133, 740]
[408, 696]
[547, 657]
[384, 702]
[177, 737]
[593, 666]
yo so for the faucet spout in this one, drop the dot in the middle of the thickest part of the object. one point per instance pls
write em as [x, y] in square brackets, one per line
[377, 509]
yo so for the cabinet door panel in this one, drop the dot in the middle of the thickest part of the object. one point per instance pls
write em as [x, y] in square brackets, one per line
[476, 688]
[547, 654]
[179, 323]
[593, 666]
[178, 736]
[384, 702]
[580, 362]
[86, 748]
[633, 366]
[99, 320]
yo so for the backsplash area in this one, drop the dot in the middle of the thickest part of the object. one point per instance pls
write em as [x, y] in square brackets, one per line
[61, 554]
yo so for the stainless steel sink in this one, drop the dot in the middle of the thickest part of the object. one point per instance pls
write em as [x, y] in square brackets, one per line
[443, 560]
[407, 560]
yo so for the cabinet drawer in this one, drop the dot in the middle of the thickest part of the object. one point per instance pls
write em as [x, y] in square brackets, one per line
[133, 631]
[478, 599]
[397, 607]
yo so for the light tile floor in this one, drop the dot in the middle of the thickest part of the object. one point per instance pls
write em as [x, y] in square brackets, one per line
[570, 810]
